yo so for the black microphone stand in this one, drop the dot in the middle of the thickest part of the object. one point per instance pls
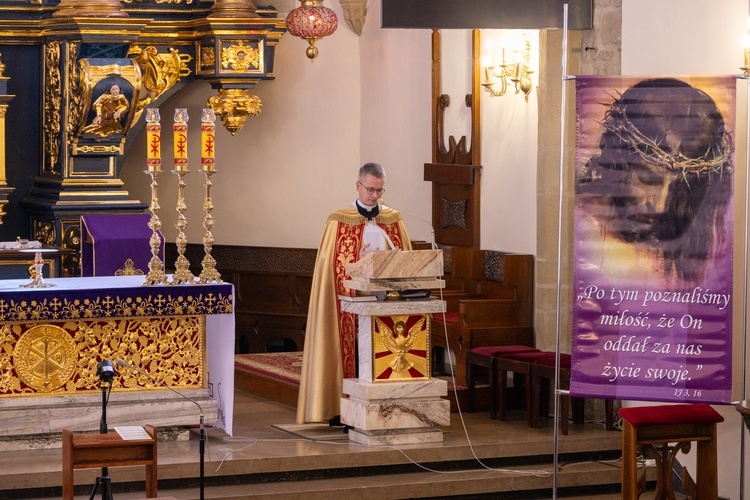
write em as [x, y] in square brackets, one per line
[202, 443]
[106, 373]
[202, 448]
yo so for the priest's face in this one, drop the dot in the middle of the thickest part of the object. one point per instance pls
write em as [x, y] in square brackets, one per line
[370, 189]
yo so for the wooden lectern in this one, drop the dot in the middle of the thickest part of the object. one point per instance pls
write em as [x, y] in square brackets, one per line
[395, 400]
[92, 451]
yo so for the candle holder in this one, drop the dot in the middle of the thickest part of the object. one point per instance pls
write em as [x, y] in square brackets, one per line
[156, 274]
[37, 276]
[182, 272]
[208, 272]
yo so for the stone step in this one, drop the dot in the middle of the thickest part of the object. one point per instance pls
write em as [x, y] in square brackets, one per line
[574, 480]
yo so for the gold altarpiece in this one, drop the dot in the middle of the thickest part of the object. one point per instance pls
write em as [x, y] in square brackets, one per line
[102, 63]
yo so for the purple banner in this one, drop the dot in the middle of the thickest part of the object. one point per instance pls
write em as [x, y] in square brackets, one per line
[652, 305]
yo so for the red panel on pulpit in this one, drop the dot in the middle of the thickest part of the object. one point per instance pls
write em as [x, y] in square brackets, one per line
[401, 347]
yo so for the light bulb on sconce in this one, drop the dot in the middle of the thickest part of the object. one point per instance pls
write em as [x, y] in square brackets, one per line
[746, 50]
[503, 74]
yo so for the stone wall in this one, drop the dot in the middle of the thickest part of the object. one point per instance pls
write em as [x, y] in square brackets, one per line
[591, 52]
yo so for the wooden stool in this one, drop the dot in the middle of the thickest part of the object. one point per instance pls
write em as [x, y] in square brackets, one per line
[543, 374]
[519, 364]
[655, 427]
[487, 357]
[542, 378]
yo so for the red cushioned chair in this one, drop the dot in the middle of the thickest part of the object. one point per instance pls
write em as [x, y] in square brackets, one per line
[486, 357]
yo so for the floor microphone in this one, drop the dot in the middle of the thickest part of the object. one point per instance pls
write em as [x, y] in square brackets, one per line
[202, 446]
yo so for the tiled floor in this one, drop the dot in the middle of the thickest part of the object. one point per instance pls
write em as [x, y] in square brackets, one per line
[282, 465]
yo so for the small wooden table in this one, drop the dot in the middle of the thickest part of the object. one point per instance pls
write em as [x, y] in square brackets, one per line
[14, 264]
[91, 451]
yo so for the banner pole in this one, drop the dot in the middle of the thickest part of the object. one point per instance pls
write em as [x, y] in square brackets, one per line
[563, 111]
[744, 276]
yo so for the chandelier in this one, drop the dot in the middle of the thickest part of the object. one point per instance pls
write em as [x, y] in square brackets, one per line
[311, 21]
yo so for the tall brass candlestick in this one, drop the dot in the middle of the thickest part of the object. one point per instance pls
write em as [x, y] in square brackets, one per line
[182, 272]
[208, 143]
[156, 274]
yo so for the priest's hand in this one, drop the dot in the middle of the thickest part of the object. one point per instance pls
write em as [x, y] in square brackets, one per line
[363, 250]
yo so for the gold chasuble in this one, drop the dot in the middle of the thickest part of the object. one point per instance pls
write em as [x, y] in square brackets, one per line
[330, 348]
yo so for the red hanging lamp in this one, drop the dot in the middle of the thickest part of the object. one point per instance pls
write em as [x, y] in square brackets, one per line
[312, 22]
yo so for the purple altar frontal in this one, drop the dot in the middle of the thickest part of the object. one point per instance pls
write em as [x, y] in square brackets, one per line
[182, 336]
[108, 241]
[110, 297]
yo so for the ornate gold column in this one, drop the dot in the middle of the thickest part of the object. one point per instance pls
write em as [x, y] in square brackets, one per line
[5, 190]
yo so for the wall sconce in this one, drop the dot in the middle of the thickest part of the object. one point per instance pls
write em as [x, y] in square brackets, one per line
[518, 72]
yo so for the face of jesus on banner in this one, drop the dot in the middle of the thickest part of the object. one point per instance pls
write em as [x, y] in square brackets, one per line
[662, 179]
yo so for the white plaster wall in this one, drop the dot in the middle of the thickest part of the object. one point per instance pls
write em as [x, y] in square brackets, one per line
[676, 37]
[509, 155]
[396, 117]
[362, 99]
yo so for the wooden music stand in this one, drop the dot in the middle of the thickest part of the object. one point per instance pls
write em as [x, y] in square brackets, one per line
[91, 451]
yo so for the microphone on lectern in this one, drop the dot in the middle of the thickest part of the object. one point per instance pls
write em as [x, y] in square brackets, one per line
[433, 245]
[124, 363]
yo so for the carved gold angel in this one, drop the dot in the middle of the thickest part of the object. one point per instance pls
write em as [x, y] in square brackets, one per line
[399, 341]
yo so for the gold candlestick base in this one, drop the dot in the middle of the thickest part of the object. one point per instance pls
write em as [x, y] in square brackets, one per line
[156, 274]
[208, 272]
[182, 272]
[37, 276]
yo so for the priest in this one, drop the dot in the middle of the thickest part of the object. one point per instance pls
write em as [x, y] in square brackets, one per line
[330, 337]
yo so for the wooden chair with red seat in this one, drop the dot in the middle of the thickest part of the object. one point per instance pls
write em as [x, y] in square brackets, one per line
[488, 294]
[486, 357]
[542, 380]
[520, 365]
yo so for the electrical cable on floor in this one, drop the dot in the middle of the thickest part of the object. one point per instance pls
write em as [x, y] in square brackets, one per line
[538, 473]
[531, 472]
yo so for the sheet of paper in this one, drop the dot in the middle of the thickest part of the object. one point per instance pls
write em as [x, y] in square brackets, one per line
[132, 433]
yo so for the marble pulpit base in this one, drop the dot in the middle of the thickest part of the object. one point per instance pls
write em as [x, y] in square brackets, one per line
[395, 413]
[34, 423]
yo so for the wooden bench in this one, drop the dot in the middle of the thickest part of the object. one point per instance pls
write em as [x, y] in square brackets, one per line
[490, 301]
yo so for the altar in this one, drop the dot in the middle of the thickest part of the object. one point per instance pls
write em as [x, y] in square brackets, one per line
[177, 344]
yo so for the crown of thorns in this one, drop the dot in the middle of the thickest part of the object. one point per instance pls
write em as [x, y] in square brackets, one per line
[715, 159]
